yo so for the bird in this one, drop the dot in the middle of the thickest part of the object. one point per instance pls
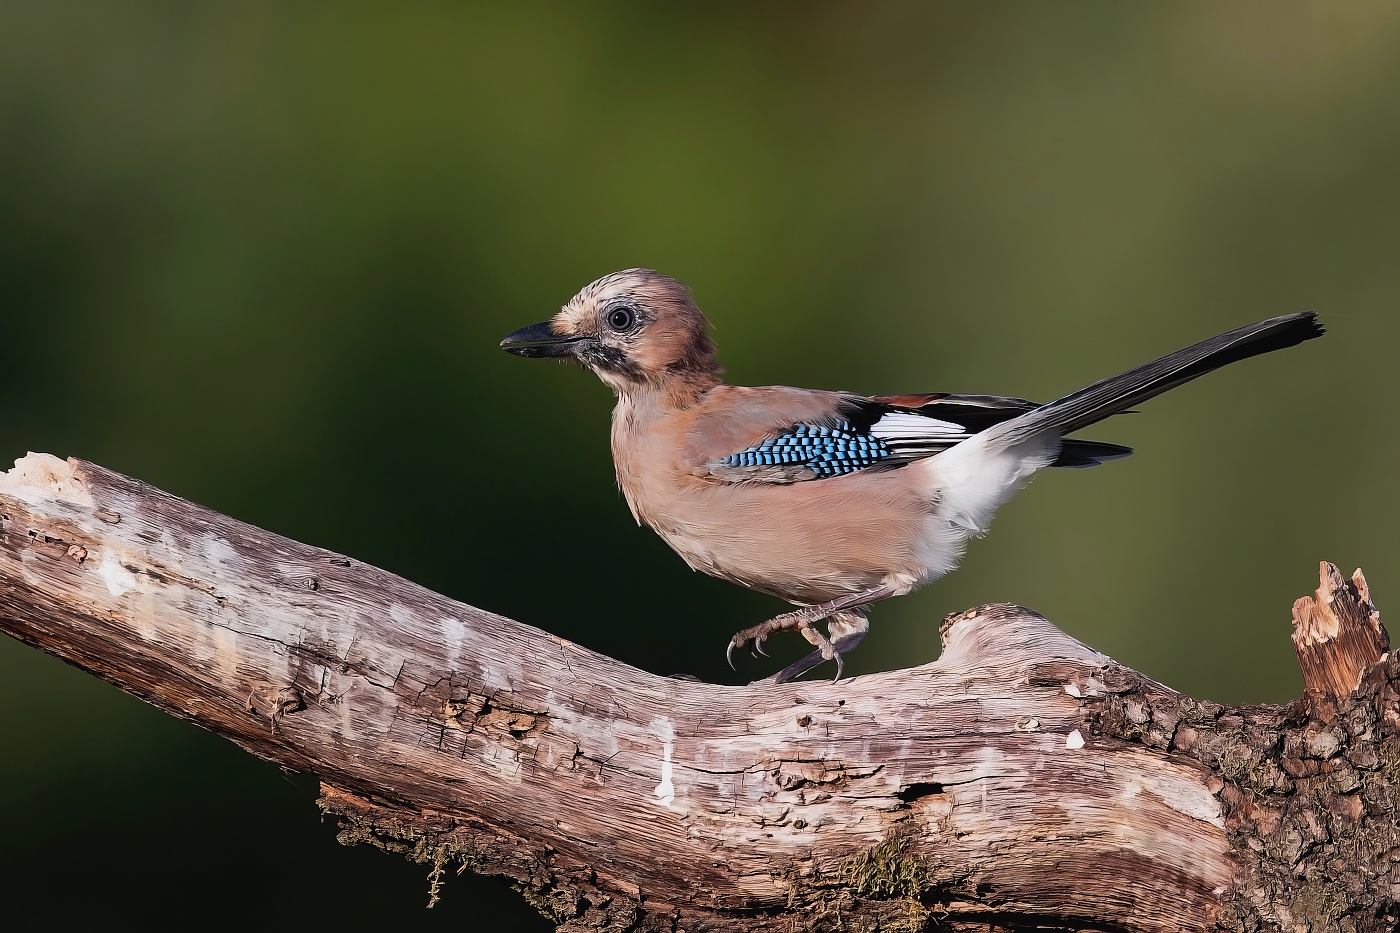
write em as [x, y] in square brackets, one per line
[829, 500]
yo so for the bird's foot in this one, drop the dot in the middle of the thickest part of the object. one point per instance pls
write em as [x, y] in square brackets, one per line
[800, 619]
[847, 629]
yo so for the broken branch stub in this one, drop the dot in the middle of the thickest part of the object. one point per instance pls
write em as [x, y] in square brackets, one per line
[1337, 633]
[1023, 781]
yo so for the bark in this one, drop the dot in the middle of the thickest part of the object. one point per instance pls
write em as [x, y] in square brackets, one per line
[1022, 781]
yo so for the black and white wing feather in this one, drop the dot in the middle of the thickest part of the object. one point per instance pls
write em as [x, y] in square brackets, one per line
[883, 434]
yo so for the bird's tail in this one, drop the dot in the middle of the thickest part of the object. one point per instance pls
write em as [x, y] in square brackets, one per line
[1110, 396]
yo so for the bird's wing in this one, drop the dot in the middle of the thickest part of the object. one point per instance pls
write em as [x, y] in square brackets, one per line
[976, 413]
[854, 433]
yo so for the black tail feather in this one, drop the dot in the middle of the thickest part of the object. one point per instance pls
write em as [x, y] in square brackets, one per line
[1110, 396]
[1077, 454]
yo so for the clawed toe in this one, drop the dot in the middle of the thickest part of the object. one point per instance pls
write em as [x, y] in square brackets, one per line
[847, 628]
[753, 637]
[756, 638]
[742, 638]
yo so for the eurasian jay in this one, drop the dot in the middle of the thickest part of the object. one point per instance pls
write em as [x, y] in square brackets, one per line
[829, 500]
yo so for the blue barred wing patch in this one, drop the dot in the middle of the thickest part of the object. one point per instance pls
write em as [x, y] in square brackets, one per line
[826, 451]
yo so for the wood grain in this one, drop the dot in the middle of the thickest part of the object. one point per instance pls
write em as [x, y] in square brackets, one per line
[1337, 633]
[1011, 782]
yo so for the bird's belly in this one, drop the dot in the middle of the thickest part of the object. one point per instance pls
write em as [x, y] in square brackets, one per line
[805, 542]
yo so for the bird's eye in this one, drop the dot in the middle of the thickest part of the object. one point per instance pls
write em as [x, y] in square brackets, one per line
[620, 319]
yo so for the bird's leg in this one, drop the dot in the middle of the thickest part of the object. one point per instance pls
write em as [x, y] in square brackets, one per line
[802, 619]
[846, 628]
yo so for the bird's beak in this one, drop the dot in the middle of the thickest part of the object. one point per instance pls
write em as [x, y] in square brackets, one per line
[539, 340]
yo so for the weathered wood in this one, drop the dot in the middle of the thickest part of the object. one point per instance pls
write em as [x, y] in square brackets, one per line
[1021, 781]
[1337, 633]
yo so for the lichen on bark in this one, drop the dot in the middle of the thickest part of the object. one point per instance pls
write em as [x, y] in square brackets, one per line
[1308, 792]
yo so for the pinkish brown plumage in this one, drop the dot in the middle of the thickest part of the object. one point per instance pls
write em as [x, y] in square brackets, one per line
[829, 500]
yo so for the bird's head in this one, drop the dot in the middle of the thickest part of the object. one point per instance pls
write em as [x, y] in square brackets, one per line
[634, 328]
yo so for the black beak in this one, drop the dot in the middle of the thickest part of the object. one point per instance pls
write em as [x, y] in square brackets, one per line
[538, 340]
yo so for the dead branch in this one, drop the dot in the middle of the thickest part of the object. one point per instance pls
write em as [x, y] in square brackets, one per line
[1023, 781]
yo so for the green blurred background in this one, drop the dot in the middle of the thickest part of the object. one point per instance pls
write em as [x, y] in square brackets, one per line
[260, 255]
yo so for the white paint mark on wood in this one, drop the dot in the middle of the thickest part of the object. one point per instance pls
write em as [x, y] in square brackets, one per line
[118, 579]
[1186, 799]
[1073, 690]
[345, 710]
[454, 634]
[218, 551]
[226, 647]
[1074, 740]
[495, 677]
[666, 790]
